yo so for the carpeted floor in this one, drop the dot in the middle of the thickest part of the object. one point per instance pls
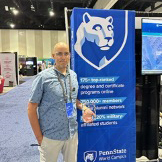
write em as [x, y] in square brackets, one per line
[15, 132]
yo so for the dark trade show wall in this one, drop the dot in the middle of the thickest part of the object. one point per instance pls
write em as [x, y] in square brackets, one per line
[147, 107]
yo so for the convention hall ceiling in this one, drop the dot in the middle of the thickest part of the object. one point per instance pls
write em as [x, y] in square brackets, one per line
[137, 5]
[35, 14]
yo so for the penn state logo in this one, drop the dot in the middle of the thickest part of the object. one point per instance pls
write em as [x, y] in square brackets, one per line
[90, 156]
[99, 31]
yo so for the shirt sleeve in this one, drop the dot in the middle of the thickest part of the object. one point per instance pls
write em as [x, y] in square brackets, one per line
[36, 90]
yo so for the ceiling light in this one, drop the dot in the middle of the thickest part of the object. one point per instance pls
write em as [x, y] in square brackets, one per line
[32, 8]
[12, 25]
[6, 8]
[15, 12]
[51, 13]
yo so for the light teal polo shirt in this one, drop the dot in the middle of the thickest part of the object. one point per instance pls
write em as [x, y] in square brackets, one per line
[48, 93]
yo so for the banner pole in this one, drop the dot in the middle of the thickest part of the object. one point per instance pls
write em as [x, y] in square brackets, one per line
[66, 25]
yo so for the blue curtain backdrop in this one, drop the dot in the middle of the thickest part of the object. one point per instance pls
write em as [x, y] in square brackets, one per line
[102, 46]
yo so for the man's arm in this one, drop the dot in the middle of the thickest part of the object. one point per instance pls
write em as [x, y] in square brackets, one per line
[80, 105]
[33, 118]
[87, 113]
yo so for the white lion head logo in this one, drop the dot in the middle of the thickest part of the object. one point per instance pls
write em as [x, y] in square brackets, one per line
[97, 30]
[90, 156]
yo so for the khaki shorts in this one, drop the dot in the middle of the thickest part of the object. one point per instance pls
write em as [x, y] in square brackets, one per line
[50, 149]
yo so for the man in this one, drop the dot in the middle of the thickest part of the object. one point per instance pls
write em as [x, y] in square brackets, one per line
[44, 65]
[54, 93]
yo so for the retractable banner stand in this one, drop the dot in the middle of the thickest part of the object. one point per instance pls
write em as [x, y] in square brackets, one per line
[8, 68]
[104, 59]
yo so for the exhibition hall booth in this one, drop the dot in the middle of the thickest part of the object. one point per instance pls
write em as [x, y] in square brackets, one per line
[121, 82]
[14, 66]
[118, 67]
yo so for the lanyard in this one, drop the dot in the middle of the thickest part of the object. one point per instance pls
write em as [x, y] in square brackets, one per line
[65, 93]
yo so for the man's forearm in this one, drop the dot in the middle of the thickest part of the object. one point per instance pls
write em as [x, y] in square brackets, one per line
[87, 113]
[33, 118]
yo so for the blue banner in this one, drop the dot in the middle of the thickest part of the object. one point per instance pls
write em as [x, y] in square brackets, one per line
[103, 56]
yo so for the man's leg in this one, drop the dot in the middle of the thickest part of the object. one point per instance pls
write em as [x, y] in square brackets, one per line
[70, 149]
[50, 149]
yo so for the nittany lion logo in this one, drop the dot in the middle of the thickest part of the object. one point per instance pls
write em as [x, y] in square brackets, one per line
[100, 31]
[90, 156]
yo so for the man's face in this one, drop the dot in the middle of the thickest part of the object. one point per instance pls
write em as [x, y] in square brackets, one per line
[61, 56]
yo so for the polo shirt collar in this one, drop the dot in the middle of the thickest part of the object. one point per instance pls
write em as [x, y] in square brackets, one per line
[67, 71]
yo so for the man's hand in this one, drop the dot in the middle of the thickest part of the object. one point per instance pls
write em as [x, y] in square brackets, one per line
[39, 139]
[88, 115]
